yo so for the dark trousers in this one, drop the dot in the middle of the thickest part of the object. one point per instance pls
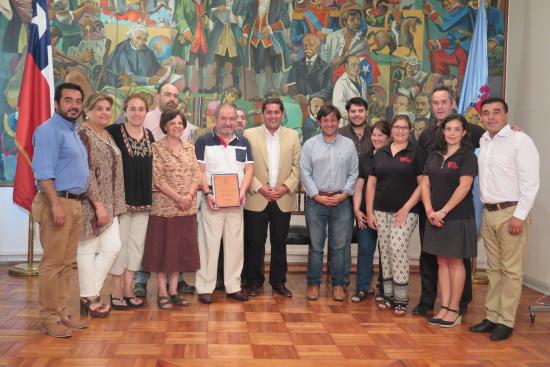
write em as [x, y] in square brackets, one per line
[428, 273]
[255, 235]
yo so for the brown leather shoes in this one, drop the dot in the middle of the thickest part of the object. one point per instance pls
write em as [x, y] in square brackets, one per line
[205, 298]
[338, 293]
[75, 323]
[312, 292]
[238, 296]
[56, 329]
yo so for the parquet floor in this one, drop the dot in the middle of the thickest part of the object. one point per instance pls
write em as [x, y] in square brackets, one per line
[266, 331]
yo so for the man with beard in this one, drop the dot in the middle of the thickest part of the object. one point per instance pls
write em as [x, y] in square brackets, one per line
[60, 166]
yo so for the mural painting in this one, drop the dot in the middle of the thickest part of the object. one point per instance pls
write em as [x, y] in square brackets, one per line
[308, 52]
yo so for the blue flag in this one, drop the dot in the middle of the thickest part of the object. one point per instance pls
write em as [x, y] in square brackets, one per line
[474, 86]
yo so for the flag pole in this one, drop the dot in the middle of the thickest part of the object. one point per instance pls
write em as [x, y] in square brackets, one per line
[30, 268]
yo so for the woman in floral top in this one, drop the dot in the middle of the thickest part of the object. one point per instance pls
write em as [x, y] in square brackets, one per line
[134, 141]
[99, 239]
[171, 243]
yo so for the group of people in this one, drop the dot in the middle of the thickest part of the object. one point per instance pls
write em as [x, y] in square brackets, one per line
[123, 199]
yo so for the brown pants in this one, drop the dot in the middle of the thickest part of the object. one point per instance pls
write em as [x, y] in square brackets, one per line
[505, 265]
[59, 244]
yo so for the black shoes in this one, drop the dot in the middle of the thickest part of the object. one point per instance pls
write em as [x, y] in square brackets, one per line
[238, 296]
[140, 290]
[501, 332]
[420, 309]
[205, 298]
[484, 326]
[253, 291]
[183, 287]
[281, 290]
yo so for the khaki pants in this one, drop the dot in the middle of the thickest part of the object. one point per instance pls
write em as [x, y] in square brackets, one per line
[212, 226]
[505, 265]
[59, 244]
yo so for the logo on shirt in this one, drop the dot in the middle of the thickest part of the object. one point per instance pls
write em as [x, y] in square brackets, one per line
[453, 165]
[405, 160]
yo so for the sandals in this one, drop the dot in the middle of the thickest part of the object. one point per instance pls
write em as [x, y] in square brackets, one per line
[179, 300]
[434, 320]
[386, 304]
[119, 304]
[164, 303]
[400, 310]
[134, 302]
[86, 308]
[450, 324]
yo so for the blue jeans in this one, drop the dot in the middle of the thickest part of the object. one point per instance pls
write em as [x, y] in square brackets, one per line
[339, 222]
[366, 239]
[142, 277]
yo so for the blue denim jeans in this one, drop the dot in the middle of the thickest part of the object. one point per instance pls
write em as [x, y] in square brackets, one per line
[366, 239]
[338, 222]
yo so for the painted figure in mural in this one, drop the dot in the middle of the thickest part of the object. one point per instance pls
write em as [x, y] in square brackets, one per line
[451, 82]
[263, 31]
[349, 85]
[310, 125]
[450, 49]
[409, 78]
[346, 41]
[67, 18]
[400, 106]
[312, 18]
[194, 25]
[311, 76]
[376, 98]
[135, 59]
[422, 105]
[224, 41]
[495, 32]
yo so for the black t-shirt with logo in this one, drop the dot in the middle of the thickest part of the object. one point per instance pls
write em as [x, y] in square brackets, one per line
[396, 176]
[445, 177]
[365, 163]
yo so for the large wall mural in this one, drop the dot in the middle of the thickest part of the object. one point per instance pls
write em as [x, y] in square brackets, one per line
[308, 52]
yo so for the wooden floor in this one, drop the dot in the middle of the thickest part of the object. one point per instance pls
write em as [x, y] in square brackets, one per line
[266, 331]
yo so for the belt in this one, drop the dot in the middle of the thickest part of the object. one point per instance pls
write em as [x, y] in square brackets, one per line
[329, 194]
[500, 206]
[68, 195]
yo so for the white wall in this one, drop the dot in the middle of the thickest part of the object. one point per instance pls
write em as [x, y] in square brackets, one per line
[527, 93]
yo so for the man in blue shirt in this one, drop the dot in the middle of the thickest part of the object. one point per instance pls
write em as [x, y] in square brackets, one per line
[60, 166]
[329, 169]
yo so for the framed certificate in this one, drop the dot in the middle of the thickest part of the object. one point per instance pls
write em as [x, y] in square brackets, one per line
[226, 190]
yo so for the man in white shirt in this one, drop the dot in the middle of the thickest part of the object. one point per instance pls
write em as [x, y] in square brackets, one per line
[271, 198]
[509, 181]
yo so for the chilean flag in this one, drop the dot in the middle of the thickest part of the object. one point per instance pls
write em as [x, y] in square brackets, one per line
[35, 100]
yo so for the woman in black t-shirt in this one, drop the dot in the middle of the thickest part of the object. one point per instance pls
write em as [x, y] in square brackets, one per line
[447, 195]
[393, 192]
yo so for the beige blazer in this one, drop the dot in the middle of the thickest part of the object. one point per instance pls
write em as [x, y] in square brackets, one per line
[289, 168]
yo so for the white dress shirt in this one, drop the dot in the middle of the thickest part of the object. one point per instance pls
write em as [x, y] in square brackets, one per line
[509, 170]
[273, 156]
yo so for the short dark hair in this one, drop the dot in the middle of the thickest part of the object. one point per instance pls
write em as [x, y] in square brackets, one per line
[159, 88]
[440, 143]
[60, 87]
[168, 116]
[443, 88]
[401, 117]
[495, 100]
[383, 126]
[271, 100]
[327, 110]
[356, 101]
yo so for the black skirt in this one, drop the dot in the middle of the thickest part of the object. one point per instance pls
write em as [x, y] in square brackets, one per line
[457, 238]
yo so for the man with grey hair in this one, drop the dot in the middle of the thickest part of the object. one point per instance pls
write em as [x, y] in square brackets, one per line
[222, 152]
[134, 59]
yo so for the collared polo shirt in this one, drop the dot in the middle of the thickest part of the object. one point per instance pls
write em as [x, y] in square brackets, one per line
[396, 176]
[445, 176]
[219, 158]
[59, 155]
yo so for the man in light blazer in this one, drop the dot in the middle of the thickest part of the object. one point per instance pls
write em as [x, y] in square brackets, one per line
[271, 198]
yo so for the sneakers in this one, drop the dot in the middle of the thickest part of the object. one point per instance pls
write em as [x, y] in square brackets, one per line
[56, 329]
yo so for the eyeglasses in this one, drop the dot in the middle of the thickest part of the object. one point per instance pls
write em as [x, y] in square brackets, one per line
[400, 127]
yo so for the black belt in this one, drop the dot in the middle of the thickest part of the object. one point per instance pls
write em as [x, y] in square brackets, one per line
[500, 206]
[329, 194]
[68, 195]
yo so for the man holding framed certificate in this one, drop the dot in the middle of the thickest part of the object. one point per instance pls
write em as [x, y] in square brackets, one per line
[226, 164]
[271, 198]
